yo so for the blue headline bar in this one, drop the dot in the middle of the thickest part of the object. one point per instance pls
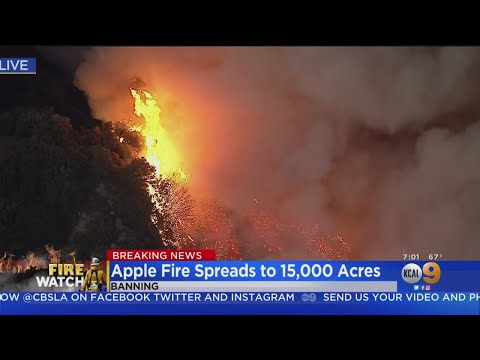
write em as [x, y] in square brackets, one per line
[420, 275]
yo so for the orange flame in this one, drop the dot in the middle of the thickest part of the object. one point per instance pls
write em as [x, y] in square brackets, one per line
[160, 150]
[210, 225]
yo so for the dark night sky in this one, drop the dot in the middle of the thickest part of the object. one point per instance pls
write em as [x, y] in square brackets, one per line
[51, 86]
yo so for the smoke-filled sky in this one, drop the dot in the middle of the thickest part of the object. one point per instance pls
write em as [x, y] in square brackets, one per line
[379, 145]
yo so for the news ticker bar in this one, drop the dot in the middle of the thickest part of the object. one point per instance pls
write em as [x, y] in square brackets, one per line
[248, 303]
[253, 286]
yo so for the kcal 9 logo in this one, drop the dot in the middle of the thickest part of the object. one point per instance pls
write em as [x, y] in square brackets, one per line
[412, 273]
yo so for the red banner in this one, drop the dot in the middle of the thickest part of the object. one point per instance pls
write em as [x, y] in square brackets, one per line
[160, 255]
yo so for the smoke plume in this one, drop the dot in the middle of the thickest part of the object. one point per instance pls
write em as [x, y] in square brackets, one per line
[378, 145]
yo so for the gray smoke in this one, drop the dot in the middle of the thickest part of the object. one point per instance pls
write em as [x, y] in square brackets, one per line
[376, 144]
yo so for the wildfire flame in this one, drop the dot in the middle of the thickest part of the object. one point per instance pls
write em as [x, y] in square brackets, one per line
[160, 151]
[206, 224]
[72, 255]
[32, 261]
[54, 256]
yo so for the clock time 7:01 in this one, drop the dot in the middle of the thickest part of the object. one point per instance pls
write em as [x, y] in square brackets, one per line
[413, 257]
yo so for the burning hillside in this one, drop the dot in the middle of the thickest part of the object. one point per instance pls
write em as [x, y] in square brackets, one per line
[186, 221]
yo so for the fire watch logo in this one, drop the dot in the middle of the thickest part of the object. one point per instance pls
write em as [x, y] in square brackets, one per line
[62, 275]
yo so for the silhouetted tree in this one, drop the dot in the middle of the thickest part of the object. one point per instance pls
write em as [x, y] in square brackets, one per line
[81, 186]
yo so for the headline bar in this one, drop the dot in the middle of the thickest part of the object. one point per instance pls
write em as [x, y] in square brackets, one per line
[409, 276]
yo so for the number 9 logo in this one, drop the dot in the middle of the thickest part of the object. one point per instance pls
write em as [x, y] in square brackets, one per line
[431, 272]
[413, 273]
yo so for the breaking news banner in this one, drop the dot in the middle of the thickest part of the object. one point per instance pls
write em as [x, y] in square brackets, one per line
[192, 282]
[16, 66]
